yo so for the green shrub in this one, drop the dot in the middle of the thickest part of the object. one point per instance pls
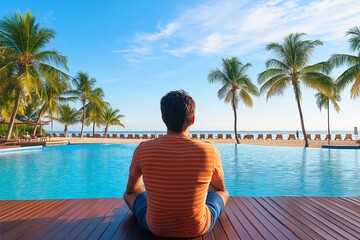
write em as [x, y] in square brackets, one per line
[23, 128]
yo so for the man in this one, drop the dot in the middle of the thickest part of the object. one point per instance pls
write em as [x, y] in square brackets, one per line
[184, 190]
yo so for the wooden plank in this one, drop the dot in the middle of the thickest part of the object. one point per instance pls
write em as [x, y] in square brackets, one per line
[295, 225]
[106, 222]
[329, 223]
[315, 222]
[70, 218]
[270, 218]
[258, 225]
[228, 227]
[119, 224]
[25, 222]
[353, 206]
[105, 206]
[335, 219]
[48, 220]
[21, 208]
[243, 218]
[100, 222]
[349, 216]
[247, 225]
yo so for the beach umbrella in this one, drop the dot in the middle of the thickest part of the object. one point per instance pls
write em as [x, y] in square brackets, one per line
[16, 122]
[42, 123]
[7, 121]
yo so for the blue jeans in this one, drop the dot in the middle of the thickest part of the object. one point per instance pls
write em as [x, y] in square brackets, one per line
[213, 201]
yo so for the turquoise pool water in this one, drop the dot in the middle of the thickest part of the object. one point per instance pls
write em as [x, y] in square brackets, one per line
[101, 170]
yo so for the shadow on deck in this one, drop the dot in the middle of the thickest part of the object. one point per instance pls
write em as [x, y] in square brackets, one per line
[243, 218]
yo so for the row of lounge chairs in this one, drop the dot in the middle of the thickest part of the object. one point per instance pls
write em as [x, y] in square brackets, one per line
[210, 136]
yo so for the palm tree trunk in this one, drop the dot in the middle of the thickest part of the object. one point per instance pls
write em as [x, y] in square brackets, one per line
[93, 128]
[65, 130]
[328, 118]
[106, 129]
[301, 115]
[83, 119]
[13, 114]
[235, 120]
[38, 119]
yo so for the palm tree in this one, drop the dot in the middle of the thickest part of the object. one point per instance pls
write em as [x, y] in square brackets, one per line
[51, 97]
[85, 91]
[30, 112]
[67, 116]
[95, 110]
[236, 85]
[353, 61]
[323, 101]
[291, 68]
[22, 41]
[111, 117]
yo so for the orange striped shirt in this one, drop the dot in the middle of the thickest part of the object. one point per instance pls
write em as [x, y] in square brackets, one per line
[177, 172]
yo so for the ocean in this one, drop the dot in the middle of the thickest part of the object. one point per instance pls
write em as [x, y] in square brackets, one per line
[215, 132]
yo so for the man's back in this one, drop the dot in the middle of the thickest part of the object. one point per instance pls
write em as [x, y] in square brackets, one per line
[177, 172]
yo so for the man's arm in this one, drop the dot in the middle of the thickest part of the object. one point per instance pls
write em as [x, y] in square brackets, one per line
[218, 186]
[135, 181]
[133, 189]
[133, 184]
[217, 183]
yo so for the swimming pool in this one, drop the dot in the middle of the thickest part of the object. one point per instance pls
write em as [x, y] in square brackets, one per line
[101, 171]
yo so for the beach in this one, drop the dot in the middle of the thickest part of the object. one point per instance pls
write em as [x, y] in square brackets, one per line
[272, 142]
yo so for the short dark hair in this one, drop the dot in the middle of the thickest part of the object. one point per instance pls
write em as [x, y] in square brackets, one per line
[177, 110]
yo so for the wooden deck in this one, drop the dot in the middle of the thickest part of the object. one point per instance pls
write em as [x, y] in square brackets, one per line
[243, 218]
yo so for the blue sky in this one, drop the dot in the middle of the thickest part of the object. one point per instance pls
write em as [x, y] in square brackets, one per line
[140, 50]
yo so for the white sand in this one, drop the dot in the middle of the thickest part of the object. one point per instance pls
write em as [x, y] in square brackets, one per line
[286, 143]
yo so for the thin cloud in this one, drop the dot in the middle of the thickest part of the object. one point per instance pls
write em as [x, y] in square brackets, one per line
[223, 27]
[166, 32]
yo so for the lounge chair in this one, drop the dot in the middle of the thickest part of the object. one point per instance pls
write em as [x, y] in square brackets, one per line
[137, 136]
[114, 135]
[54, 135]
[145, 136]
[96, 135]
[328, 137]
[194, 136]
[260, 136]
[73, 135]
[202, 136]
[348, 137]
[33, 137]
[106, 135]
[228, 136]
[160, 135]
[121, 135]
[338, 137]
[220, 136]
[23, 138]
[279, 137]
[317, 137]
[62, 135]
[239, 136]
[87, 135]
[130, 136]
[308, 136]
[152, 136]
[268, 136]
[210, 136]
[291, 136]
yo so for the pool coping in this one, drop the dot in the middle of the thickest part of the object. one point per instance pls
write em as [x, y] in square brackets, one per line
[19, 149]
[339, 147]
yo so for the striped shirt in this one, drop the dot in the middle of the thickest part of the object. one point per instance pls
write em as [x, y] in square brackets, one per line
[177, 172]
